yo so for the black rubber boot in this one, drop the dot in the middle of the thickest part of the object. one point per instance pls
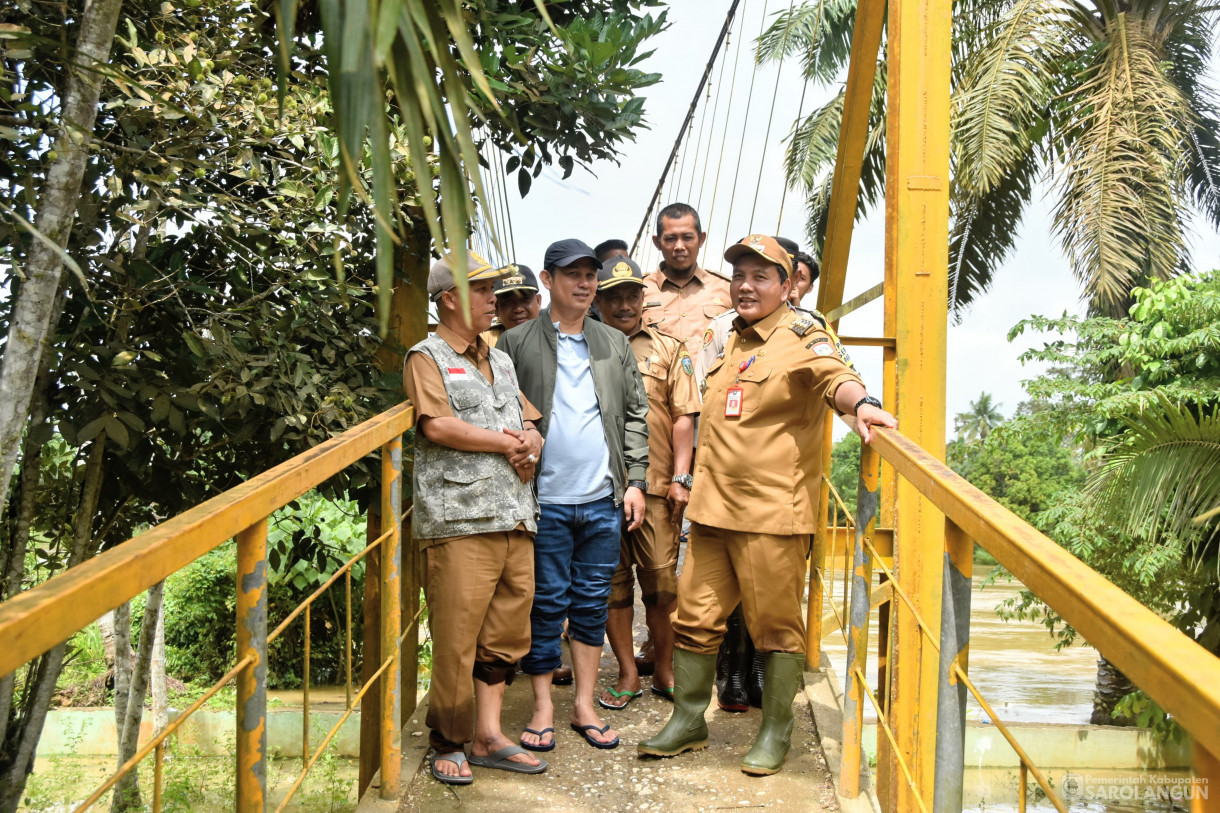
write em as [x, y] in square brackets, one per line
[783, 679]
[686, 729]
[754, 682]
[733, 665]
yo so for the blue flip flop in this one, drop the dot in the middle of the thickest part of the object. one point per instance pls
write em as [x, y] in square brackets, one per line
[583, 730]
[539, 734]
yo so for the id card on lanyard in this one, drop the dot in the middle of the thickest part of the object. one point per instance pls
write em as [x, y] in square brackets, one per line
[732, 402]
[733, 397]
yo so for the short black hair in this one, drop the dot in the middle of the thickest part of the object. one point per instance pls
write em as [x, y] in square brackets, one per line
[815, 270]
[677, 211]
[604, 248]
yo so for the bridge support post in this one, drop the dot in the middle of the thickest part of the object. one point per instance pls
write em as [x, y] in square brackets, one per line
[252, 680]
[867, 499]
[954, 651]
[391, 622]
[916, 266]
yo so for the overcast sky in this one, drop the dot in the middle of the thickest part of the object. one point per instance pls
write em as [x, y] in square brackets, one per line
[611, 203]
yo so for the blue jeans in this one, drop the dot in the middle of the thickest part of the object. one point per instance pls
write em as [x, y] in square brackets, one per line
[576, 551]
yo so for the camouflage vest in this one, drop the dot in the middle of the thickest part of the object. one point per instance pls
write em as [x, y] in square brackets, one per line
[458, 493]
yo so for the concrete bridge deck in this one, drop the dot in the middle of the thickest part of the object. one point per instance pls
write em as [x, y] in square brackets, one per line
[581, 778]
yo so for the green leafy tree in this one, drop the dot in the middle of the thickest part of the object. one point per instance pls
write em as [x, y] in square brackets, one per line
[845, 469]
[1109, 102]
[1142, 393]
[1026, 473]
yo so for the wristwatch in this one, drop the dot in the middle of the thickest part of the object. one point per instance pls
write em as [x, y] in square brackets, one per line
[642, 485]
[868, 399]
[684, 480]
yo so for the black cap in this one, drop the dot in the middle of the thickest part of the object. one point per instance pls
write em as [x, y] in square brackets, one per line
[566, 252]
[618, 270]
[516, 278]
[789, 246]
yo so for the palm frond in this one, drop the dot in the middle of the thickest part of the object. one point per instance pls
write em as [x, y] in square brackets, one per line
[983, 230]
[1119, 215]
[1163, 472]
[1004, 92]
[812, 151]
[819, 31]
[1189, 49]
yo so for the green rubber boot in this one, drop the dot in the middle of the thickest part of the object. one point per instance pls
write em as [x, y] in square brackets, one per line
[686, 729]
[781, 681]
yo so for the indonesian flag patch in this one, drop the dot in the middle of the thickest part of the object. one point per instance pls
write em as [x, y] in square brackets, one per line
[458, 373]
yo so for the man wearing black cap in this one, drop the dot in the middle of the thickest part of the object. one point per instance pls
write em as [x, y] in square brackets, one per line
[758, 471]
[517, 300]
[583, 377]
[652, 550]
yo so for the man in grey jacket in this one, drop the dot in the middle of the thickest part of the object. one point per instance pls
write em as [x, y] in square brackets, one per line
[583, 377]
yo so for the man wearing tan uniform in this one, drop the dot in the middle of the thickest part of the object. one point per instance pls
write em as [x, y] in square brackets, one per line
[757, 474]
[475, 516]
[680, 297]
[651, 550]
[517, 301]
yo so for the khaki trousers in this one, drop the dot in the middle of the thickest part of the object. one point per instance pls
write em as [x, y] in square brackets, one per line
[765, 572]
[479, 590]
[653, 551]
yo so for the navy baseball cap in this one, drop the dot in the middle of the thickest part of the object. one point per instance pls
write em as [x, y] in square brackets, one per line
[567, 252]
[516, 278]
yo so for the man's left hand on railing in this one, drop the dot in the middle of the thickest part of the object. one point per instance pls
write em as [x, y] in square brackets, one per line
[851, 398]
[868, 416]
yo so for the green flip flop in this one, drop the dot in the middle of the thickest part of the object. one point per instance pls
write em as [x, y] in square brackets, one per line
[619, 695]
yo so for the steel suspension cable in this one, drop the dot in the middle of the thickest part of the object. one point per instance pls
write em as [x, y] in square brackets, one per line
[762, 161]
[745, 121]
[508, 215]
[699, 140]
[685, 151]
[711, 132]
[496, 172]
[686, 122]
[725, 134]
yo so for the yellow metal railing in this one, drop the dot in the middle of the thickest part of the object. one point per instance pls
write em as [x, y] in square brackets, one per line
[1174, 670]
[34, 622]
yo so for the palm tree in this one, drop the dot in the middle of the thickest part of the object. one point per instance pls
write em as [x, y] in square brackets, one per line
[1106, 99]
[1162, 474]
[976, 423]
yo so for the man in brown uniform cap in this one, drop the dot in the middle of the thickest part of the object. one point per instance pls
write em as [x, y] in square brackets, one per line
[757, 473]
[475, 515]
[652, 549]
[517, 301]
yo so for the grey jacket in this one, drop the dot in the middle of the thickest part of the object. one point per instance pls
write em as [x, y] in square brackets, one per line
[533, 347]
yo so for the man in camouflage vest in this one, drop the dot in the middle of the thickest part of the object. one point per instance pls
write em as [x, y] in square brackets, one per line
[476, 446]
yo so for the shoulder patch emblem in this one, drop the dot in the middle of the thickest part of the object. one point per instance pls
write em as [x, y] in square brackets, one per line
[823, 349]
[688, 366]
[801, 326]
[708, 335]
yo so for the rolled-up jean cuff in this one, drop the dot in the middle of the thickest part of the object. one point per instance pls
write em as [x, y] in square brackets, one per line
[576, 551]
